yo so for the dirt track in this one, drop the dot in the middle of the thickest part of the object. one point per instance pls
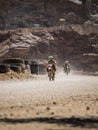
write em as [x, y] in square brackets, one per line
[68, 103]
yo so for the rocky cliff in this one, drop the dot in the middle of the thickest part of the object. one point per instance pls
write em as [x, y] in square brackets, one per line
[27, 13]
[34, 29]
[77, 43]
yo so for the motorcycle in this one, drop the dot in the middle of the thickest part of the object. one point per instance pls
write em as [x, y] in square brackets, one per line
[67, 70]
[51, 72]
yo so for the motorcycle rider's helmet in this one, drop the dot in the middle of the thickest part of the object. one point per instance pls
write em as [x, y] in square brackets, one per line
[50, 57]
[66, 61]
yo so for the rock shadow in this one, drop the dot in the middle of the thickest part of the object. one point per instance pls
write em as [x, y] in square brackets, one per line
[73, 121]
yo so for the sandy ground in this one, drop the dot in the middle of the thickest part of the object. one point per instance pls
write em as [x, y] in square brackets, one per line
[68, 103]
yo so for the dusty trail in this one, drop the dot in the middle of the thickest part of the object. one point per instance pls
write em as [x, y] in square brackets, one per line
[43, 91]
[30, 102]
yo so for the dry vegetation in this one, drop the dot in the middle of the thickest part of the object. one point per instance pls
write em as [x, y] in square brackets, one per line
[11, 75]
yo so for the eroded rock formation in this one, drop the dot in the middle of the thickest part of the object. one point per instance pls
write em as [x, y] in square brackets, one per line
[77, 43]
[27, 13]
[56, 27]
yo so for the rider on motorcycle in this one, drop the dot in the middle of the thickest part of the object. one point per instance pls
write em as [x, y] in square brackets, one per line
[52, 61]
[66, 64]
